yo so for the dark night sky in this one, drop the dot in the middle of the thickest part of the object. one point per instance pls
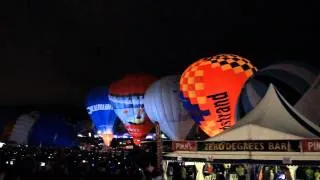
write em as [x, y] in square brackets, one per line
[53, 51]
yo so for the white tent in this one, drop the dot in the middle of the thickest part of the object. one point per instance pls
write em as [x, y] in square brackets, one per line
[272, 119]
[308, 104]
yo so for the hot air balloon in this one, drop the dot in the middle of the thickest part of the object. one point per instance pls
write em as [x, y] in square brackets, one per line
[52, 130]
[126, 96]
[163, 104]
[210, 88]
[296, 82]
[18, 131]
[101, 113]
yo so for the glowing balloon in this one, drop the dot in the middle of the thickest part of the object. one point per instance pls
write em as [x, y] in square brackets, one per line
[163, 104]
[107, 138]
[18, 131]
[52, 130]
[126, 96]
[101, 113]
[211, 87]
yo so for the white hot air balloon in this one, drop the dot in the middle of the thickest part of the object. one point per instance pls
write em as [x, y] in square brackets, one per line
[162, 104]
[22, 127]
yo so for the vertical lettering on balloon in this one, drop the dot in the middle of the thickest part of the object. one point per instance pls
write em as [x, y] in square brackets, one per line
[223, 109]
[218, 96]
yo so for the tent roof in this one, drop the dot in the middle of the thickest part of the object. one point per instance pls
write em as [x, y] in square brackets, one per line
[273, 118]
[253, 132]
[308, 104]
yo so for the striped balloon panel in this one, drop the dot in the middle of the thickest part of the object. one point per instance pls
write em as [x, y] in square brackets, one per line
[21, 129]
[292, 80]
[163, 104]
[250, 96]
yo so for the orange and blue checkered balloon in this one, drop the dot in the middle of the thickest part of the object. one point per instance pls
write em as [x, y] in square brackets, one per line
[210, 88]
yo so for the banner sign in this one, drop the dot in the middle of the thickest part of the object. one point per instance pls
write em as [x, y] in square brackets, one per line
[310, 145]
[184, 146]
[263, 145]
[274, 146]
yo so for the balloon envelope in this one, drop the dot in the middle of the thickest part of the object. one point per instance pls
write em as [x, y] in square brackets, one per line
[21, 129]
[18, 128]
[163, 104]
[100, 110]
[210, 88]
[126, 96]
[52, 130]
[293, 81]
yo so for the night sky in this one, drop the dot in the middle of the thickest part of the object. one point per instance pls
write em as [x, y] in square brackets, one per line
[53, 51]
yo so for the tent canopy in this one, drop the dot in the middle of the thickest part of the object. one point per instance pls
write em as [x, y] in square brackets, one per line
[308, 104]
[272, 119]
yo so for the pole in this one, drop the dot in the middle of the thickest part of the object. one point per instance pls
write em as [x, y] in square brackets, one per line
[159, 146]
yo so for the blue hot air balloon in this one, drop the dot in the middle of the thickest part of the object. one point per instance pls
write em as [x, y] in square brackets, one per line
[101, 112]
[52, 130]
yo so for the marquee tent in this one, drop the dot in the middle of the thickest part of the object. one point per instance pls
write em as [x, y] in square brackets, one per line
[272, 119]
[308, 104]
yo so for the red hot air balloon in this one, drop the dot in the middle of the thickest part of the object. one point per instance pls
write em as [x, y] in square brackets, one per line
[210, 88]
[126, 97]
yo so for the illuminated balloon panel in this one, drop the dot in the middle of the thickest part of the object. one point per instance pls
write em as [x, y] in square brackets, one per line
[18, 130]
[100, 110]
[107, 138]
[210, 88]
[52, 130]
[163, 104]
[126, 96]
[22, 127]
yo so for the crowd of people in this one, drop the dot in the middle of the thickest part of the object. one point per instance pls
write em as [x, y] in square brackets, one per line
[23, 162]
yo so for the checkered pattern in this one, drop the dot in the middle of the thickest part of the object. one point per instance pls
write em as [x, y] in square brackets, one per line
[191, 83]
[236, 63]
